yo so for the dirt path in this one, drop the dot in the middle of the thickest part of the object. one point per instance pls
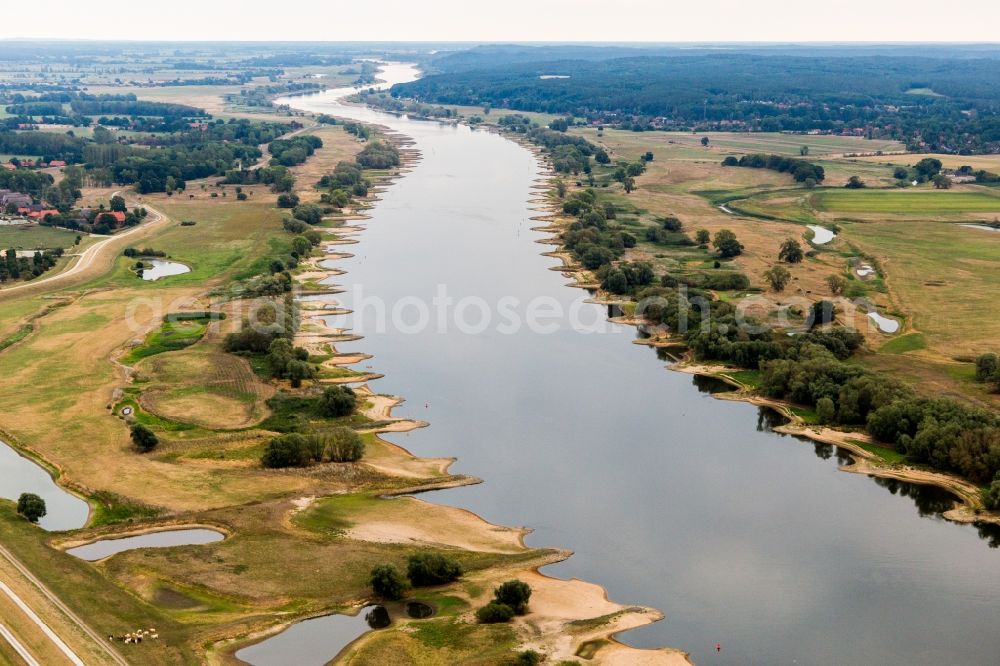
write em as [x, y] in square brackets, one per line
[92, 262]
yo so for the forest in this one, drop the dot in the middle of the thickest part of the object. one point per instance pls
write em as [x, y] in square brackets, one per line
[940, 103]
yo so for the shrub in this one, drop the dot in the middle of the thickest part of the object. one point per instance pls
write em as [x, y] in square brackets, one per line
[987, 367]
[528, 658]
[387, 582]
[515, 594]
[432, 569]
[143, 438]
[31, 506]
[494, 613]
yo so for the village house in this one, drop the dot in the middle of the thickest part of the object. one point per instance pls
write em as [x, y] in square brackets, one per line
[8, 197]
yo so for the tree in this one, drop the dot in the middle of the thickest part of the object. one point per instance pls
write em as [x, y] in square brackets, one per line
[942, 182]
[31, 506]
[432, 569]
[826, 412]
[704, 141]
[804, 151]
[560, 188]
[279, 355]
[778, 277]
[615, 282]
[336, 401]
[702, 236]
[298, 371]
[726, 244]
[629, 184]
[514, 593]
[387, 582]
[118, 204]
[820, 314]
[103, 135]
[900, 173]
[837, 284]
[855, 183]
[341, 444]
[288, 200]
[494, 613]
[291, 450]
[791, 251]
[991, 494]
[143, 438]
[928, 167]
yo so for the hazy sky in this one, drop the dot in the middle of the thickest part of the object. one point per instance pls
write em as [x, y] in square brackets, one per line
[537, 20]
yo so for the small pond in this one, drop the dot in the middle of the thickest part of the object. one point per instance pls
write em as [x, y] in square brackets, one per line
[313, 642]
[418, 610]
[19, 475]
[161, 268]
[98, 550]
[821, 235]
[885, 324]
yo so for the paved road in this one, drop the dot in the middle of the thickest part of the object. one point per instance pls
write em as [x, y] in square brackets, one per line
[65, 649]
[70, 615]
[88, 264]
[16, 644]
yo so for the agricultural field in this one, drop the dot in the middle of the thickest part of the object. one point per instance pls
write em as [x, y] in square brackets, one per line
[986, 162]
[962, 202]
[782, 144]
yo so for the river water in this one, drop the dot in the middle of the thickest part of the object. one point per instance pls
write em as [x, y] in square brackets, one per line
[669, 497]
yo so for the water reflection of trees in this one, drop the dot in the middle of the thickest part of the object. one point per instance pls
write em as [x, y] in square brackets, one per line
[706, 384]
[989, 533]
[930, 500]
[768, 419]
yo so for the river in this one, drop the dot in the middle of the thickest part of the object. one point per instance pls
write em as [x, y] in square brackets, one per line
[669, 497]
